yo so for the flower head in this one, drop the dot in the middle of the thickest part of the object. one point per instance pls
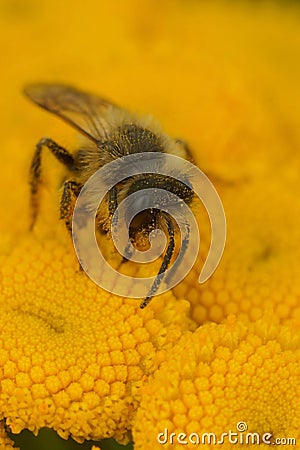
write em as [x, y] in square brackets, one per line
[219, 376]
[72, 356]
[259, 271]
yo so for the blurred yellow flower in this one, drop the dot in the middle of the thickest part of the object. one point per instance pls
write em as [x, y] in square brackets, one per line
[219, 376]
[259, 271]
[225, 77]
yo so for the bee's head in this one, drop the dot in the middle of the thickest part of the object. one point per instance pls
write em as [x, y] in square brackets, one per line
[183, 190]
[151, 217]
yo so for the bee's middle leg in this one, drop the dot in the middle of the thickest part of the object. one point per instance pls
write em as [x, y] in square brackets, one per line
[71, 191]
[112, 201]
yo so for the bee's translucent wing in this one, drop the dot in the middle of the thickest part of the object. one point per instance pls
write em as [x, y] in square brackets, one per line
[85, 112]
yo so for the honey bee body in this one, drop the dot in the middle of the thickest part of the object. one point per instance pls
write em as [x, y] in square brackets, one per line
[123, 138]
[129, 138]
[108, 133]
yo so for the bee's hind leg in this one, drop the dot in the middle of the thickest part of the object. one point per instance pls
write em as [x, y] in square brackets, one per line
[186, 147]
[61, 154]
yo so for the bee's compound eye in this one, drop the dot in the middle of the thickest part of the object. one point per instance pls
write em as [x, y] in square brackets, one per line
[142, 204]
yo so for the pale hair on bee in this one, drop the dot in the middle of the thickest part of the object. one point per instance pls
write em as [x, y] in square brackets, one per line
[108, 133]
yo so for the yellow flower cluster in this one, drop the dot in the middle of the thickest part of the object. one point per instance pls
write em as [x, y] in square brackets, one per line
[72, 356]
[220, 378]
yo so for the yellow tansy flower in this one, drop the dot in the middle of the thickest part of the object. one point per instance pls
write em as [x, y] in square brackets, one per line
[219, 377]
[72, 356]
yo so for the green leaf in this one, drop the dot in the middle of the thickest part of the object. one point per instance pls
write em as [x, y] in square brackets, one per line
[49, 440]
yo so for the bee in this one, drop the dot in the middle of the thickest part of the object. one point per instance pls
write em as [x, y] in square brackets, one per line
[109, 132]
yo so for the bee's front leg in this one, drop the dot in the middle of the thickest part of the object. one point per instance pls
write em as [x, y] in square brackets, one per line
[112, 207]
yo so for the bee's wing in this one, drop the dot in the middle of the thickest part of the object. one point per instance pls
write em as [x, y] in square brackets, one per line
[85, 112]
